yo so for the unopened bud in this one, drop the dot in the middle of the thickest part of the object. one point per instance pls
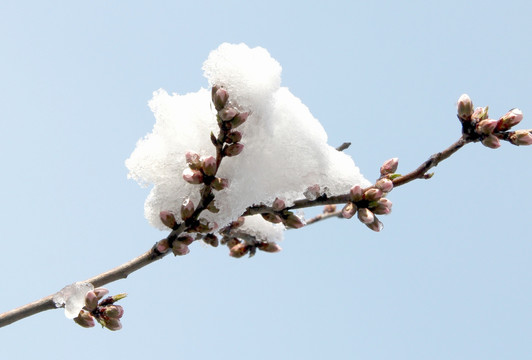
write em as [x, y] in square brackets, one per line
[179, 248]
[328, 209]
[112, 324]
[220, 184]
[211, 239]
[192, 176]
[356, 193]
[228, 114]
[232, 242]
[239, 119]
[487, 126]
[293, 221]
[209, 166]
[84, 319]
[389, 166]
[372, 194]
[233, 149]
[212, 208]
[100, 292]
[273, 218]
[385, 185]
[278, 204]
[233, 137]
[91, 300]
[193, 160]
[270, 247]
[238, 222]
[186, 239]
[521, 137]
[491, 141]
[383, 206]
[349, 210]
[480, 113]
[219, 98]
[312, 192]
[239, 250]
[162, 246]
[510, 119]
[205, 226]
[114, 311]
[167, 218]
[465, 107]
[365, 216]
[187, 209]
[376, 225]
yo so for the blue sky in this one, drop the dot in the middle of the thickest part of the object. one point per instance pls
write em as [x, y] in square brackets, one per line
[448, 277]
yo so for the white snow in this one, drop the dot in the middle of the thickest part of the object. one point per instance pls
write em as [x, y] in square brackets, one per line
[285, 151]
[72, 297]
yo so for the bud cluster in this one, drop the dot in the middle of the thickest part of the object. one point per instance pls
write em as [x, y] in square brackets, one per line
[477, 124]
[105, 312]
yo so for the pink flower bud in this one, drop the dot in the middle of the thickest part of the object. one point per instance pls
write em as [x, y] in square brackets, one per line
[480, 113]
[192, 176]
[376, 225]
[212, 208]
[186, 239]
[383, 206]
[179, 248]
[491, 141]
[465, 107]
[356, 193]
[167, 218]
[372, 194]
[312, 192]
[487, 126]
[227, 114]
[278, 204]
[238, 222]
[232, 242]
[219, 98]
[84, 319]
[112, 324]
[521, 137]
[162, 246]
[209, 166]
[233, 149]
[91, 300]
[233, 137]
[239, 120]
[349, 210]
[239, 250]
[100, 292]
[193, 160]
[510, 119]
[328, 209]
[211, 239]
[389, 166]
[385, 185]
[204, 226]
[273, 218]
[365, 216]
[114, 311]
[187, 209]
[270, 247]
[220, 184]
[293, 221]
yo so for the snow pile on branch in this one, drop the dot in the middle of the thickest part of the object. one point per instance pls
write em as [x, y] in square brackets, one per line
[72, 297]
[285, 147]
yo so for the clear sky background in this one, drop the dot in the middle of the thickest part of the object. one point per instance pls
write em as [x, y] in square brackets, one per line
[450, 275]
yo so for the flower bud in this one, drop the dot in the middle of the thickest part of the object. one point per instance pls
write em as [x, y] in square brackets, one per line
[112, 324]
[278, 204]
[349, 210]
[385, 185]
[187, 209]
[372, 194]
[91, 300]
[312, 192]
[270, 247]
[510, 119]
[220, 184]
[389, 166]
[167, 218]
[192, 176]
[232, 242]
[487, 126]
[227, 114]
[114, 311]
[211, 239]
[162, 246]
[365, 216]
[238, 120]
[233, 149]
[205, 226]
[480, 113]
[212, 208]
[239, 250]
[376, 225]
[219, 98]
[233, 137]
[383, 206]
[293, 221]
[465, 107]
[100, 292]
[193, 160]
[356, 193]
[273, 218]
[521, 137]
[209, 166]
[491, 141]
[179, 248]
[328, 209]
[84, 319]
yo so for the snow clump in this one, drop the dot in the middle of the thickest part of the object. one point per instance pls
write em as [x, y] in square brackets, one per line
[72, 297]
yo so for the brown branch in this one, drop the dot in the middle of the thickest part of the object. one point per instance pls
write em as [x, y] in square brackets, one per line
[323, 216]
